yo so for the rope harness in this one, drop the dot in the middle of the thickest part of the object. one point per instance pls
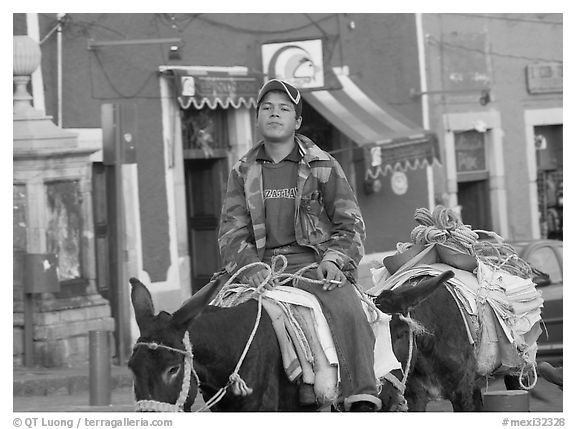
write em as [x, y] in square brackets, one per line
[151, 405]
[230, 295]
[414, 329]
[238, 385]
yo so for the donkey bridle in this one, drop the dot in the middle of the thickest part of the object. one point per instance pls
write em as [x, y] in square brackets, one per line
[400, 385]
[152, 405]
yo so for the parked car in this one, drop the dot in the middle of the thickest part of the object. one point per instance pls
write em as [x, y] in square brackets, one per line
[546, 256]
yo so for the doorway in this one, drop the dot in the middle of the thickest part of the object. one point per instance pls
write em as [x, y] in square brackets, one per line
[205, 152]
[473, 179]
[474, 197]
[205, 187]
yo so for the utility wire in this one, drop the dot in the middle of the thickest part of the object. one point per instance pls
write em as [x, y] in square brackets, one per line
[437, 42]
[60, 23]
[77, 27]
[162, 51]
[172, 20]
[506, 18]
[136, 94]
[253, 31]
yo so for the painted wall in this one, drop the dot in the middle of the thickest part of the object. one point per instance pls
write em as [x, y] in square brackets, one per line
[389, 217]
[512, 41]
[380, 50]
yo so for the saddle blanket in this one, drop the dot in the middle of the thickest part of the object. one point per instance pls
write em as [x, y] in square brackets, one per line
[293, 301]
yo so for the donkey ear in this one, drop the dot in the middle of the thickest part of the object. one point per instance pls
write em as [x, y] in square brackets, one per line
[414, 296]
[401, 301]
[193, 307]
[142, 303]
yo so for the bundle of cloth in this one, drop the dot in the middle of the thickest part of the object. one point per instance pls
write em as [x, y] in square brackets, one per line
[493, 287]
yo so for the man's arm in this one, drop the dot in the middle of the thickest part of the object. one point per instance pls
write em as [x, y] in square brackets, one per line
[236, 235]
[346, 245]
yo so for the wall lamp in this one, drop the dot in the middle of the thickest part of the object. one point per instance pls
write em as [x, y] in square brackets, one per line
[175, 52]
[484, 99]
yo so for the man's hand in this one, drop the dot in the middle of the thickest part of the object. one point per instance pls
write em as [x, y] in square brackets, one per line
[256, 279]
[331, 274]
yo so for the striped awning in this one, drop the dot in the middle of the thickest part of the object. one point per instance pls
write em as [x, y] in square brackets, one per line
[390, 140]
[211, 87]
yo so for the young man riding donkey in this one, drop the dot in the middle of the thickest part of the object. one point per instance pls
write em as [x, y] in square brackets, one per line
[292, 233]
[288, 197]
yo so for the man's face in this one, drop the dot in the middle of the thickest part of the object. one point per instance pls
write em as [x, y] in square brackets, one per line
[277, 120]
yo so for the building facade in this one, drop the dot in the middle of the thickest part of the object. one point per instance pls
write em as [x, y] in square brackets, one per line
[170, 98]
[495, 95]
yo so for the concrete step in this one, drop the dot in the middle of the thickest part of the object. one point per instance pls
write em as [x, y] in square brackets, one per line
[63, 381]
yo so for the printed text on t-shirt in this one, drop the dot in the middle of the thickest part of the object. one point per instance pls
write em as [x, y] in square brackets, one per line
[289, 193]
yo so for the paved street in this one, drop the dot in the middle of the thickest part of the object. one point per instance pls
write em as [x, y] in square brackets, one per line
[123, 401]
[552, 398]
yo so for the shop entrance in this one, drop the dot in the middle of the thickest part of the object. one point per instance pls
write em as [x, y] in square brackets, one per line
[205, 142]
[474, 197]
[473, 179]
[204, 190]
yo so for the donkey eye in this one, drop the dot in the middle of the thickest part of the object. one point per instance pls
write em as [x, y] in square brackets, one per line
[173, 370]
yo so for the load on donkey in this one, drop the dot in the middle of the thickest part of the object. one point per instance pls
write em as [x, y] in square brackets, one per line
[484, 322]
[220, 343]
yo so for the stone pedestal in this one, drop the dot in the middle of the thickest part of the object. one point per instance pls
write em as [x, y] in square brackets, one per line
[61, 327]
[53, 221]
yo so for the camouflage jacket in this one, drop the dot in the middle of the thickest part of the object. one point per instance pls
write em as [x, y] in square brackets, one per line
[327, 216]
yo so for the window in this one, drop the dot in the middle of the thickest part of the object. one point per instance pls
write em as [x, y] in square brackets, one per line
[204, 130]
[470, 151]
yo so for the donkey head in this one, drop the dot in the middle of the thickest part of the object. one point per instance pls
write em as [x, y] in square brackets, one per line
[158, 361]
[403, 330]
[400, 301]
[404, 298]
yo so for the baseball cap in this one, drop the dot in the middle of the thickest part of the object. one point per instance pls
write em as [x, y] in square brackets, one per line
[281, 85]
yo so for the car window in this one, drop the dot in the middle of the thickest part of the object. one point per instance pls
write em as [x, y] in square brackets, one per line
[544, 259]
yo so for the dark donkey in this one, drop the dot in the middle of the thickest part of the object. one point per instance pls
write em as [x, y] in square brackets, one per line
[168, 369]
[445, 363]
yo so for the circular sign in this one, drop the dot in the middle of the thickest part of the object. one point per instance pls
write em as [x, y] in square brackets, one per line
[399, 183]
[294, 64]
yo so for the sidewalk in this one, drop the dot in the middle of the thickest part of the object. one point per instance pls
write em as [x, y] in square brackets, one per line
[63, 381]
[121, 400]
[68, 390]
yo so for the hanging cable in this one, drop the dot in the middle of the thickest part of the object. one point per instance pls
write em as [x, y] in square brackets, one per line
[506, 18]
[60, 23]
[253, 31]
[437, 42]
[120, 94]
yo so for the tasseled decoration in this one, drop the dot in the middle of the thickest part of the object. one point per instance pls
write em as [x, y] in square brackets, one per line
[239, 386]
